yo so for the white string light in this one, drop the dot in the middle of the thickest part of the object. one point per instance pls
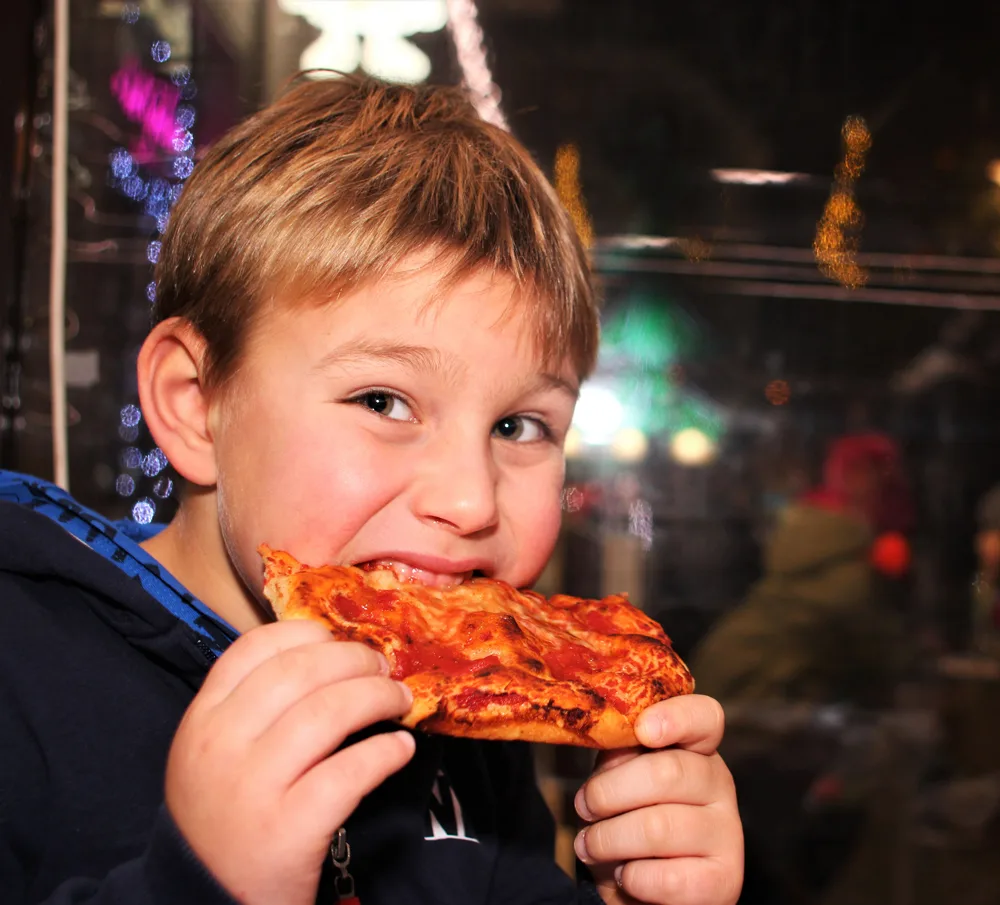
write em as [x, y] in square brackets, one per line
[463, 23]
[57, 254]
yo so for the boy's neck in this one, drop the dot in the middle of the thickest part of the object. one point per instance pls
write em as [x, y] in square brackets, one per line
[191, 548]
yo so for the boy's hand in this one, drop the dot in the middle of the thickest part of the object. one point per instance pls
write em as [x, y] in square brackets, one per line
[665, 828]
[251, 782]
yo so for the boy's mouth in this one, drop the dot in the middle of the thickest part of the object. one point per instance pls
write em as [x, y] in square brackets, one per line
[413, 574]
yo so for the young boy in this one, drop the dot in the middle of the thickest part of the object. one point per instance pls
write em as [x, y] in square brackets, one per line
[372, 320]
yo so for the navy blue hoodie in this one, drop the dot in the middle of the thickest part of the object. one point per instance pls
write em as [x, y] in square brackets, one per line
[101, 651]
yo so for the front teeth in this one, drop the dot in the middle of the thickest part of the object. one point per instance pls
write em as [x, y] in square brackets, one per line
[412, 575]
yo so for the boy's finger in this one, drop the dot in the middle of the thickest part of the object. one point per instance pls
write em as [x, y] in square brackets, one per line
[681, 881]
[608, 759]
[691, 721]
[336, 785]
[250, 650]
[316, 726]
[291, 675]
[663, 831]
[680, 777]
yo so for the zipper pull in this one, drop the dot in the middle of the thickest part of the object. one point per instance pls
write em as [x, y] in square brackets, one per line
[340, 853]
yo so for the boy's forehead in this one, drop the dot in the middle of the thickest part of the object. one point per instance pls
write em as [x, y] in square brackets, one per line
[376, 317]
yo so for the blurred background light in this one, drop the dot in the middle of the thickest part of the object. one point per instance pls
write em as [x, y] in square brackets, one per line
[629, 444]
[757, 177]
[573, 444]
[692, 447]
[598, 415]
[369, 34]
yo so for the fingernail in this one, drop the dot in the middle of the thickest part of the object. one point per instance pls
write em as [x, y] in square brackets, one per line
[654, 730]
[580, 847]
[580, 803]
[383, 665]
[618, 874]
[406, 692]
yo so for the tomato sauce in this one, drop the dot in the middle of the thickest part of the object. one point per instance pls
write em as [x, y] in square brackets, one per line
[572, 660]
[601, 621]
[418, 658]
[474, 700]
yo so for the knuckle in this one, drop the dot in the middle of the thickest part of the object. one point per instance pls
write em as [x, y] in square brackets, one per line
[363, 657]
[654, 881]
[667, 769]
[657, 825]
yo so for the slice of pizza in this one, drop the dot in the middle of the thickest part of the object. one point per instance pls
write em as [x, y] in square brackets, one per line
[485, 660]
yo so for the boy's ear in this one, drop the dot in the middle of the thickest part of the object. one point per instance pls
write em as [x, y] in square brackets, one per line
[174, 400]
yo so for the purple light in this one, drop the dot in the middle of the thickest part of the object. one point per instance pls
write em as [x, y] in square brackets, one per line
[160, 51]
[180, 76]
[135, 187]
[131, 458]
[130, 13]
[143, 511]
[185, 116]
[131, 415]
[175, 192]
[189, 90]
[154, 463]
[163, 488]
[122, 164]
[156, 207]
[159, 188]
[153, 252]
[128, 434]
[125, 485]
[183, 167]
[151, 291]
[183, 141]
[162, 220]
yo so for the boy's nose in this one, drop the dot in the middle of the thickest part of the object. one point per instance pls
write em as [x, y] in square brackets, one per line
[457, 488]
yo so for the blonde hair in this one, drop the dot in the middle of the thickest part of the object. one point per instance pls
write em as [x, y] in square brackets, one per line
[338, 181]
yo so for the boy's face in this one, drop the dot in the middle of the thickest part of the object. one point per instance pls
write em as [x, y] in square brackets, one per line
[384, 428]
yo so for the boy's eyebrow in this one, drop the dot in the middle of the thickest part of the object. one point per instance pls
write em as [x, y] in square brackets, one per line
[420, 358]
[424, 358]
[547, 381]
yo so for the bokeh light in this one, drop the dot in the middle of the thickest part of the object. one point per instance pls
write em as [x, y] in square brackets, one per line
[143, 511]
[567, 185]
[130, 415]
[160, 51]
[163, 488]
[154, 463]
[692, 447]
[183, 167]
[131, 458]
[629, 445]
[598, 414]
[777, 392]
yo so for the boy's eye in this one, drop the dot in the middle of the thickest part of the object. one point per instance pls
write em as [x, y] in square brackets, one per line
[385, 403]
[521, 429]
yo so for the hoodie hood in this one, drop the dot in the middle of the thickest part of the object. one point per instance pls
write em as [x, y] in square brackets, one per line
[45, 534]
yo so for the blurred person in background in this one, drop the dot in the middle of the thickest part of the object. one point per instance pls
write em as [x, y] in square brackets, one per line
[819, 638]
[820, 626]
